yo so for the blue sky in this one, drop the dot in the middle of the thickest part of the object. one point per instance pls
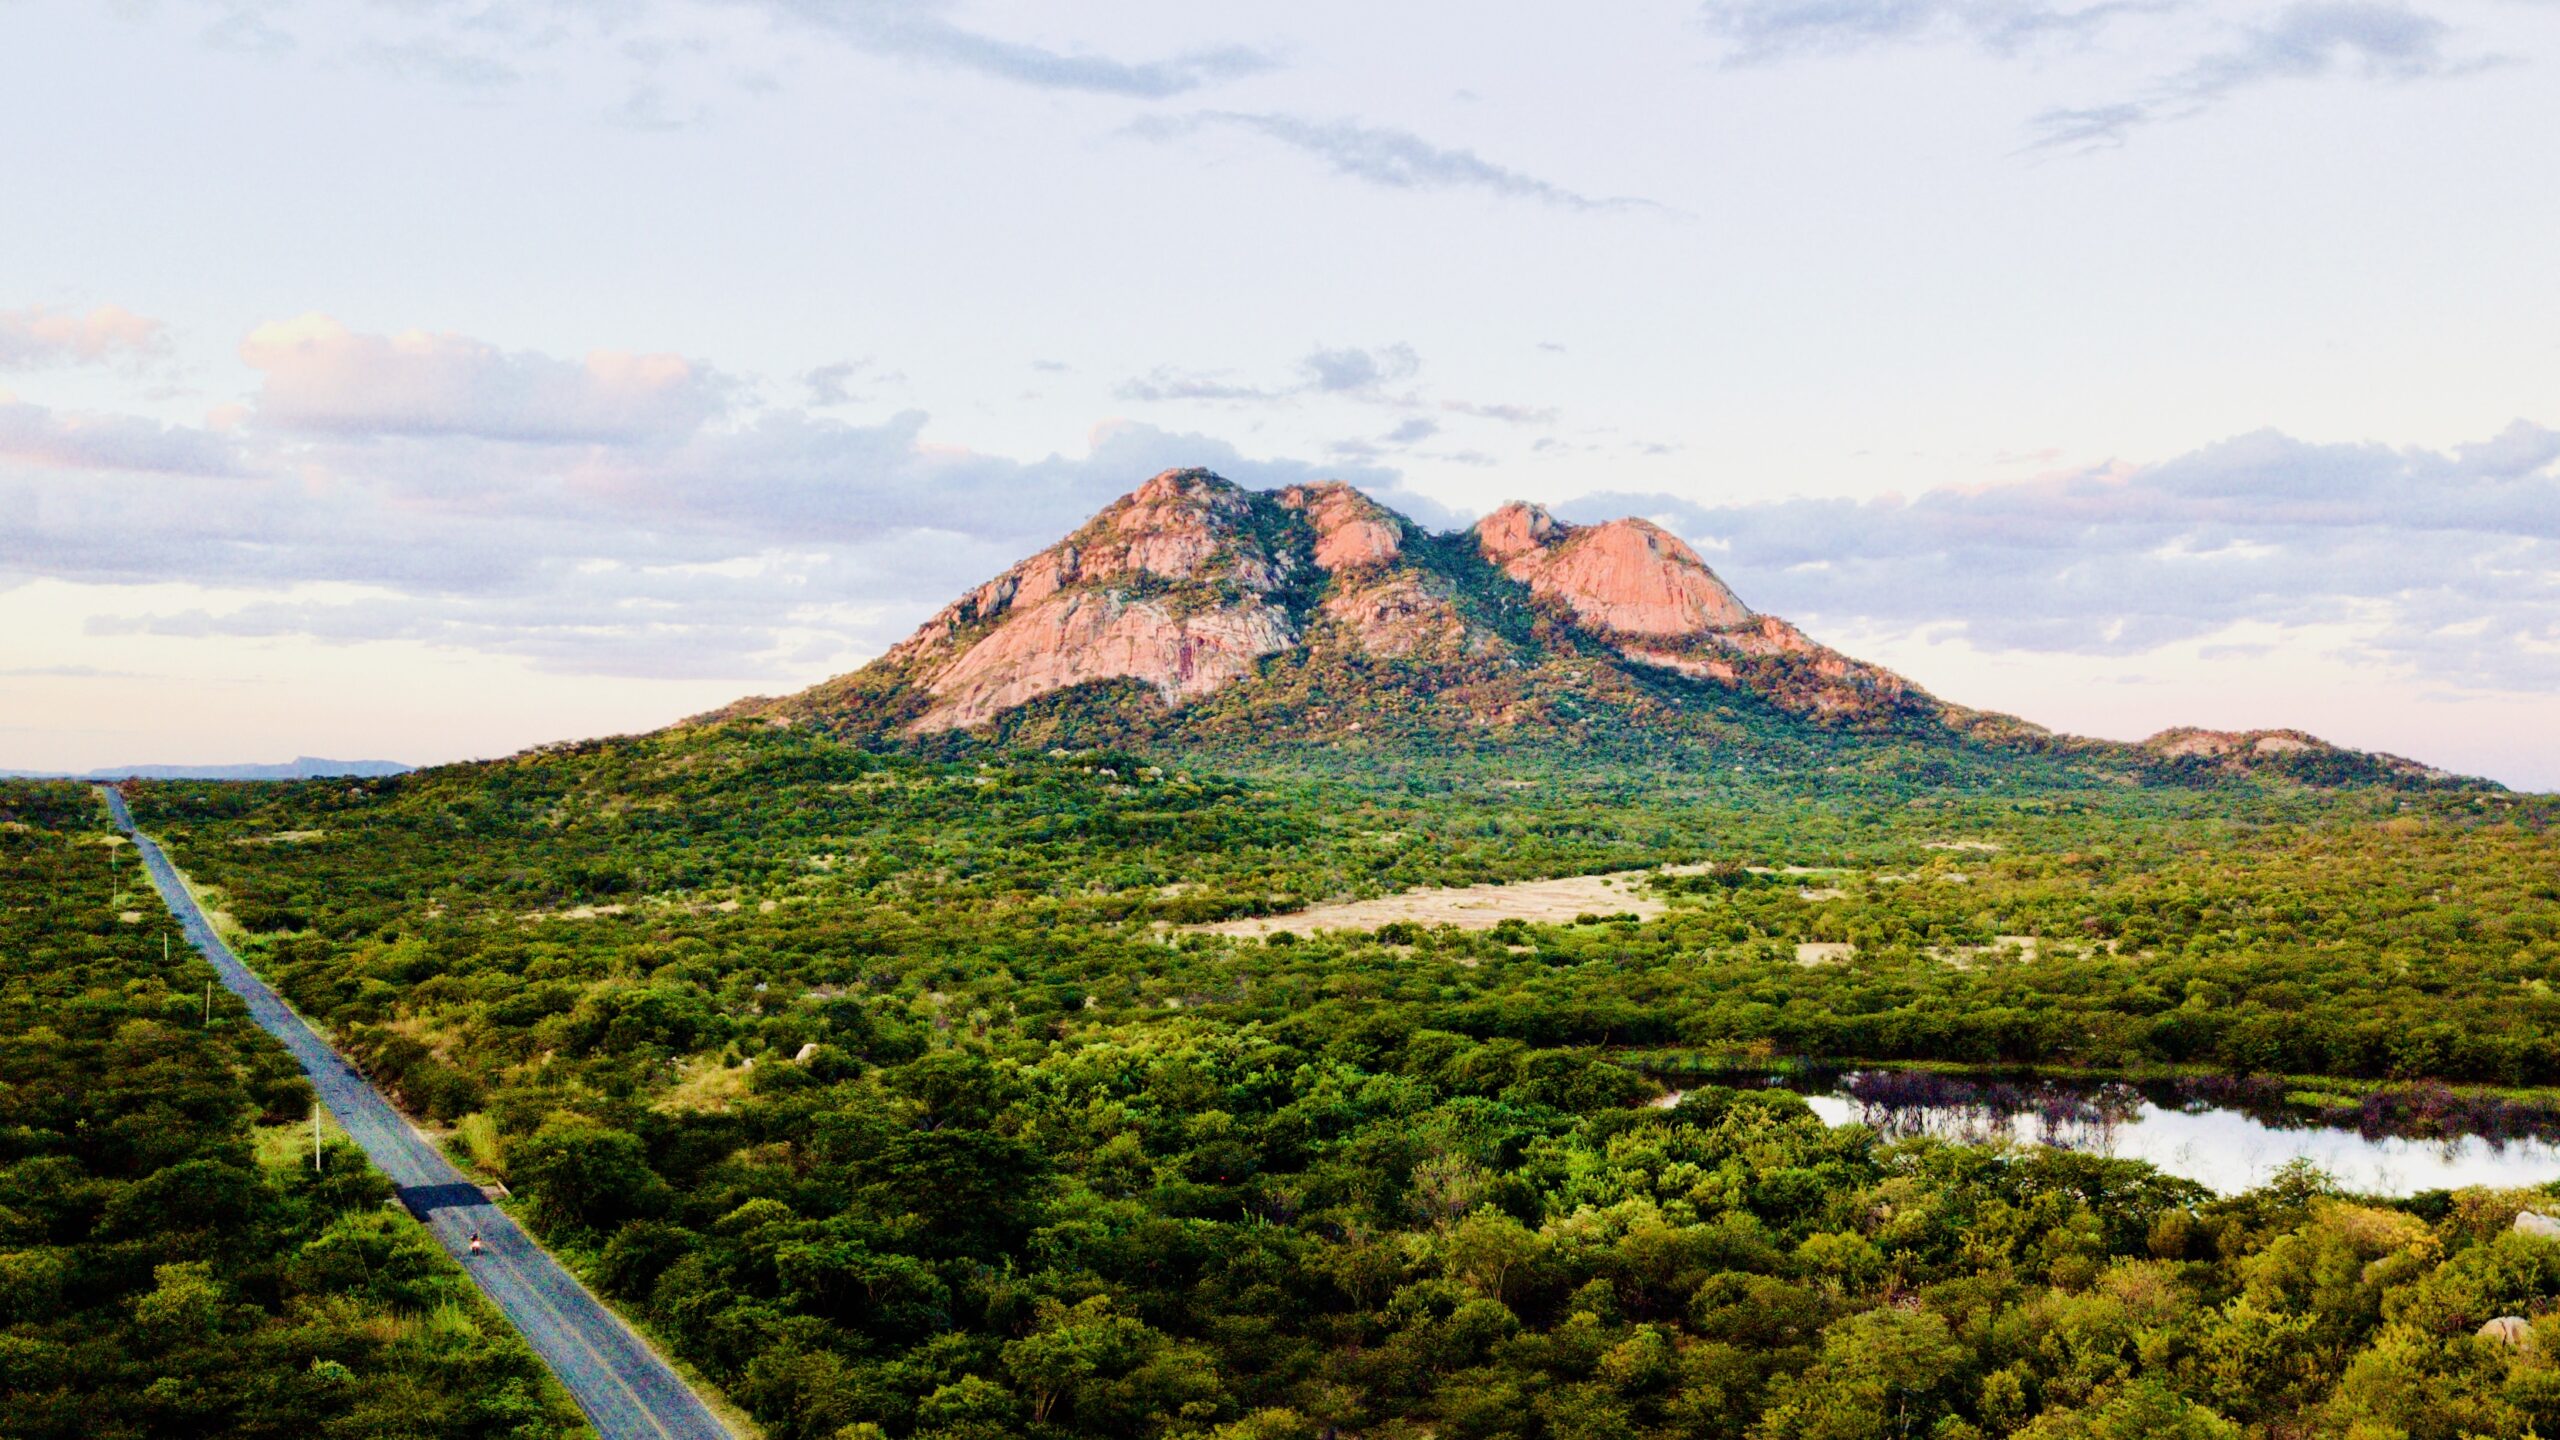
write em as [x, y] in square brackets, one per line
[428, 379]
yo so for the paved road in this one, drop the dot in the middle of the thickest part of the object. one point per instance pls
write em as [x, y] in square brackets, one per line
[622, 1385]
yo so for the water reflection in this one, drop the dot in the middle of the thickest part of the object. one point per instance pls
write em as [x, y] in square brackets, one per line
[2229, 1135]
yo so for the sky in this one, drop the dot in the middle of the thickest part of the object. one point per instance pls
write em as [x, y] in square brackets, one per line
[421, 380]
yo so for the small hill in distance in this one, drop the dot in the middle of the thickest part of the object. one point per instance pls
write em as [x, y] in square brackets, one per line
[1195, 615]
[301, 767]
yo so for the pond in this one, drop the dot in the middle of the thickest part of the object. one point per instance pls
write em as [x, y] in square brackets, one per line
[2228, 1135]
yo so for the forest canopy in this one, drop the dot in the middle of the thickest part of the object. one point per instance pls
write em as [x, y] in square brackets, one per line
[895, 1094]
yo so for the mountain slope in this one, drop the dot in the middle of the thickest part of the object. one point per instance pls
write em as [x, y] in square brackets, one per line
[1195, 612]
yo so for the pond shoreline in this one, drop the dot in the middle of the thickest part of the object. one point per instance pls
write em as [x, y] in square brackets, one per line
[2374, 1110]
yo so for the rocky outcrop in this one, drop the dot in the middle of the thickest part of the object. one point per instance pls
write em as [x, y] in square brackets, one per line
[1075, 639]
[1403, 616]
[2513, 1331]
[2283, 751]
[1353, 532]
[1629, 577]
[2188, 740]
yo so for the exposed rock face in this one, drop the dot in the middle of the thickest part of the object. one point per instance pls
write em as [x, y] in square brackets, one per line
[1394, 611]
[1072, 639]
[1169, 585]
[1631, 577]
[1353, 532]
[1401, 616]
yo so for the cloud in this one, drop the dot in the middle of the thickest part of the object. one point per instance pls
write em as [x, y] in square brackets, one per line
[38, 336]
[1762, 30]
[243, 31]
[2381, 41]
[1508, 414]
[905, 30]
[1355, 371]
[320, 377]
[1374, 375]
[427, 58]
[826, 384]
[2448, 561]
[1394, 159]
[34, 436]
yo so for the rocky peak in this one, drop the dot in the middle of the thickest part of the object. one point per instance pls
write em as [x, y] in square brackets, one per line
[1096, 606]
[1630, 576]
[1172, 526]
[1515, 530]
[1353, 532]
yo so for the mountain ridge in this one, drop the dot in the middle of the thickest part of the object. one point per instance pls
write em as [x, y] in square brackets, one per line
[1195, 610]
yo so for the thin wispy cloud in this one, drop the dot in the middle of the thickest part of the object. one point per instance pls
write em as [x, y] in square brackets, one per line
[1763, 30]
[1387, 157]
[2377, 41]
[1382, 375]
[428, 58]
[905, 30]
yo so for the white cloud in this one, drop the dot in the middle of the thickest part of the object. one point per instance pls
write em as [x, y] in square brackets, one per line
[33, 435]
[39, 336]
[321, 377]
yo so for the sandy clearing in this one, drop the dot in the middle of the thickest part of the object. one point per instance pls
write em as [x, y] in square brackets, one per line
[581, 912]
[1824, 952]
[1470, 907]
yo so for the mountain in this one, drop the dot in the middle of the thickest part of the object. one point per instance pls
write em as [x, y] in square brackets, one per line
[1195, 612]
[301, 767]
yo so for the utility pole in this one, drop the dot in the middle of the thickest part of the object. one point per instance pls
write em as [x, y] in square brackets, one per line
[208, 1004]
[315, 1137]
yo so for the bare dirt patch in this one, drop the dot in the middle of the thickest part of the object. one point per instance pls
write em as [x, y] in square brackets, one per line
[1468, 907]
[576, 912]
[1824, 952]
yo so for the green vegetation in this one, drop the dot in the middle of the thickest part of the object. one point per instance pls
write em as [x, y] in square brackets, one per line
[170, 1265]
[885, 1090]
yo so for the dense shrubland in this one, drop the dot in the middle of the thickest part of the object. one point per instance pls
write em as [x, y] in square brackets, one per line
[168, 1267]
[886, 1091]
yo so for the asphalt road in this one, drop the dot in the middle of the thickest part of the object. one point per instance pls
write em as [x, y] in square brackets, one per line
[626, 1390]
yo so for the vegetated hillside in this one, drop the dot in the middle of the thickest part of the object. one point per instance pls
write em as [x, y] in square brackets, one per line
[1314, 624]
[871, 1082]
[169, 1263]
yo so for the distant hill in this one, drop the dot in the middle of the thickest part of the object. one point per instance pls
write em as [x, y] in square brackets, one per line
[301, 767]
[1195, 614]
